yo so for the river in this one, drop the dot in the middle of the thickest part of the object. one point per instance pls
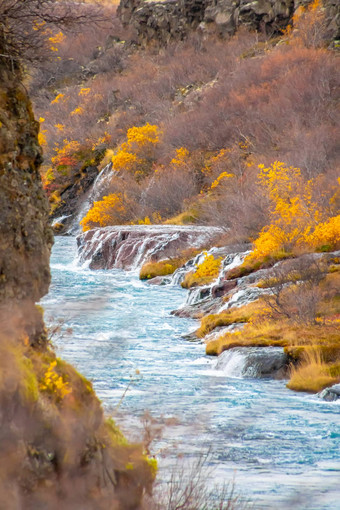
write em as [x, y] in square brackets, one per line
[281, 447]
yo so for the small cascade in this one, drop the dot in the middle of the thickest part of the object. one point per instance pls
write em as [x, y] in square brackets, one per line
[129, 247]
[232, 362]
[253, 362]
[243, 297]
[198, 294]
[60, 219]
[102, 180]
[149, 248]
[231, 261]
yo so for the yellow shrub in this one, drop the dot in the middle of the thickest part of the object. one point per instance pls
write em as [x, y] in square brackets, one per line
[58, 98]
[296, 221]
[78, 111]
[125, 161]
[326, 233]
[222, 177]
[143, 136]
[137, 154]
[181, 157]
[145, 221]
[54, 384]
[205, 272]
[209, 267]
[104, 212]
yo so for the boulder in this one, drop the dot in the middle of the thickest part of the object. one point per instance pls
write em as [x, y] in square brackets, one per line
[254, 362]
[330, 394]
[223, 288]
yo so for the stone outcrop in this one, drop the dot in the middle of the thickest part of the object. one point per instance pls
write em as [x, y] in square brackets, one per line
[254, 362]
[160, 22]
[330, 394]
[64, 217]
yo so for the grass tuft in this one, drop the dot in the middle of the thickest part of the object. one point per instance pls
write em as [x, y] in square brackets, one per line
[313, 374]
[162, 268]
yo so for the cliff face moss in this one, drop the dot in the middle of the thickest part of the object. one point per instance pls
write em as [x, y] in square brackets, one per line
[56, 448]
[26, 237]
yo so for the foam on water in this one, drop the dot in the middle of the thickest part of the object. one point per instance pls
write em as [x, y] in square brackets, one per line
[283, 446]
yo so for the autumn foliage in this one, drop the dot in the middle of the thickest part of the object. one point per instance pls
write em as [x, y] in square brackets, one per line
[109, 211]
[186, 128]
[205, 272]
[297, 219]
[137, 154]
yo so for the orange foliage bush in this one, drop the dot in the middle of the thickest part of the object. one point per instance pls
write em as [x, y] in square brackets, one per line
[206, 272]
[137, 154]
[109, 211]
[296, 220]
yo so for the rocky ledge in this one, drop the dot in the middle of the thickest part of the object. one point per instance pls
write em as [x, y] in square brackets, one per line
[163, 21]
[128, 247]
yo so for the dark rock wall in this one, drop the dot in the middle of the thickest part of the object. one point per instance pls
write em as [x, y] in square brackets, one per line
[25, 236]
[160, 22]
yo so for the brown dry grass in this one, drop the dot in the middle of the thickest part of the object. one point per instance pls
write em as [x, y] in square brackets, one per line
[239, 315]
[312, 374]
[162, 268]
[282, 333]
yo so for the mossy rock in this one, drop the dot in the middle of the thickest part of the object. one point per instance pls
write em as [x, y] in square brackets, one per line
[161, 268]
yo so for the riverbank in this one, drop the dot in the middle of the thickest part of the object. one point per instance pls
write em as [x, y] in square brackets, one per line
[291, 303]
[278, 444]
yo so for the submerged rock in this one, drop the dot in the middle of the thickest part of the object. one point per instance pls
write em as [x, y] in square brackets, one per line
[330, 394]
[198, 310]
[253, 362]
[158, 280]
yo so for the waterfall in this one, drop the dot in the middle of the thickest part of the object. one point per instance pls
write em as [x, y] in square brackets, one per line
[130, 246]
[231, 261]
[244, 296]
[98, 187]
[179, 275]
[232, 362]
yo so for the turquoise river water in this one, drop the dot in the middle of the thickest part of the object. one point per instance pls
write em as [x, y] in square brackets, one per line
[281, 447]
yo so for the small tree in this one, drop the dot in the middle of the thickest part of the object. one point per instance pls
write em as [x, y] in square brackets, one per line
[30, 29]
[297, 220]
[295, 291]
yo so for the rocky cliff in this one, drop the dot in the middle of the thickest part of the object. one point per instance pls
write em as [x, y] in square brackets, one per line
[56, 448]
[26, 238]
[160, 22]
